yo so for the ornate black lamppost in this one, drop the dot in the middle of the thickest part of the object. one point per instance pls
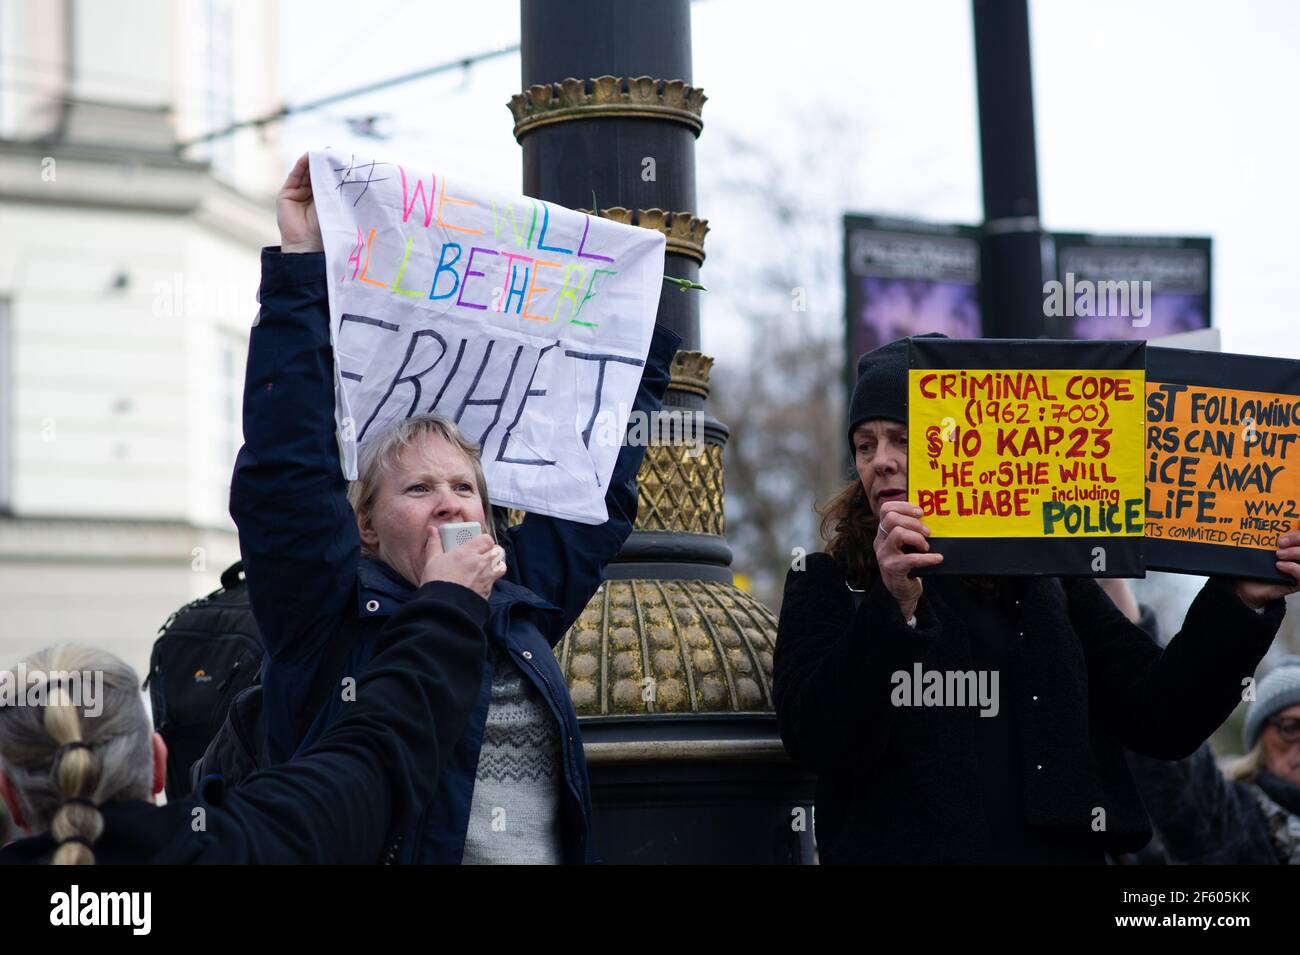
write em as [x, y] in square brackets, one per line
[670, 666]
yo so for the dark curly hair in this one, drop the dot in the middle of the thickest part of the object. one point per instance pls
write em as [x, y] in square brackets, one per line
[849, 529]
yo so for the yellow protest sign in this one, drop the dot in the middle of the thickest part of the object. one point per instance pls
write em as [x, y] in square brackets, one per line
[1032, 441]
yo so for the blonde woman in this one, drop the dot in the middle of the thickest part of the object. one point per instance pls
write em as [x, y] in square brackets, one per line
[323, 559]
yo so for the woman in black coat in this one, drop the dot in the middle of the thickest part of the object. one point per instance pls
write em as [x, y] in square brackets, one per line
[984, 720]
[79, 773]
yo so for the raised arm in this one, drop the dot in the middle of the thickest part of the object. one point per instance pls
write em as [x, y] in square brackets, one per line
[297, 533]
[1165, 703]
[367, 779]
[288, 498]
[564, 561]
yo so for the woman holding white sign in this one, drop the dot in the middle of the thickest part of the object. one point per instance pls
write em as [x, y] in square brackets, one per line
[323, 576]
[985, 719]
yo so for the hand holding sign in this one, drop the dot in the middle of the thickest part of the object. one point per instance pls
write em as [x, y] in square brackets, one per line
[295, 211]
[901, 547]
[1256, 595]
[524, 323]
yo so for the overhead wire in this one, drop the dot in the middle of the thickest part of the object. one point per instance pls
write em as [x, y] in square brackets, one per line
[463, 62]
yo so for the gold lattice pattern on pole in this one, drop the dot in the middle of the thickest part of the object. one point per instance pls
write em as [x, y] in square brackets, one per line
[681, 490]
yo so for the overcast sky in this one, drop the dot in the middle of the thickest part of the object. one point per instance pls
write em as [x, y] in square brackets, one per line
[1153, 116]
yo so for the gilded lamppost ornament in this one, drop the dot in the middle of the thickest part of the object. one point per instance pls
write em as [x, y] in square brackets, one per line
[684, 231]
[670, 646]
[639, 96]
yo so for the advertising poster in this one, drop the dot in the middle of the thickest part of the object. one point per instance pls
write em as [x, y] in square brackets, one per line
[905, 278]
[1135, 287]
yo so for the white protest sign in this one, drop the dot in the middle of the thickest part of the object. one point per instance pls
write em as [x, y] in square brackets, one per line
[526, 323]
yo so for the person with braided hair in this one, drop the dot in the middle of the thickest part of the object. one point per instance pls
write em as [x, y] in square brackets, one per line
[80, 774]
[80, 780]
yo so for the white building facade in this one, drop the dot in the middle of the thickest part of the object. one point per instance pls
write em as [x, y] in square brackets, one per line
[128, 275]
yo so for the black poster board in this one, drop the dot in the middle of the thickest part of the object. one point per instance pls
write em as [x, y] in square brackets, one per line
[1222, 460]
[1027, 455]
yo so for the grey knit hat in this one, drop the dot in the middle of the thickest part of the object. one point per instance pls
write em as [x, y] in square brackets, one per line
[1278, 690]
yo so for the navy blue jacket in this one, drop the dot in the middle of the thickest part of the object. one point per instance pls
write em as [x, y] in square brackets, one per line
[306, 573]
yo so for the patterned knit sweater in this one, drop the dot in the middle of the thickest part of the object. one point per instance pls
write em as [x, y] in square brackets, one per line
[514, 815]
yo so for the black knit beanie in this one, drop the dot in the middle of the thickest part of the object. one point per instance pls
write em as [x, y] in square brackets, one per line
[881, 391]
